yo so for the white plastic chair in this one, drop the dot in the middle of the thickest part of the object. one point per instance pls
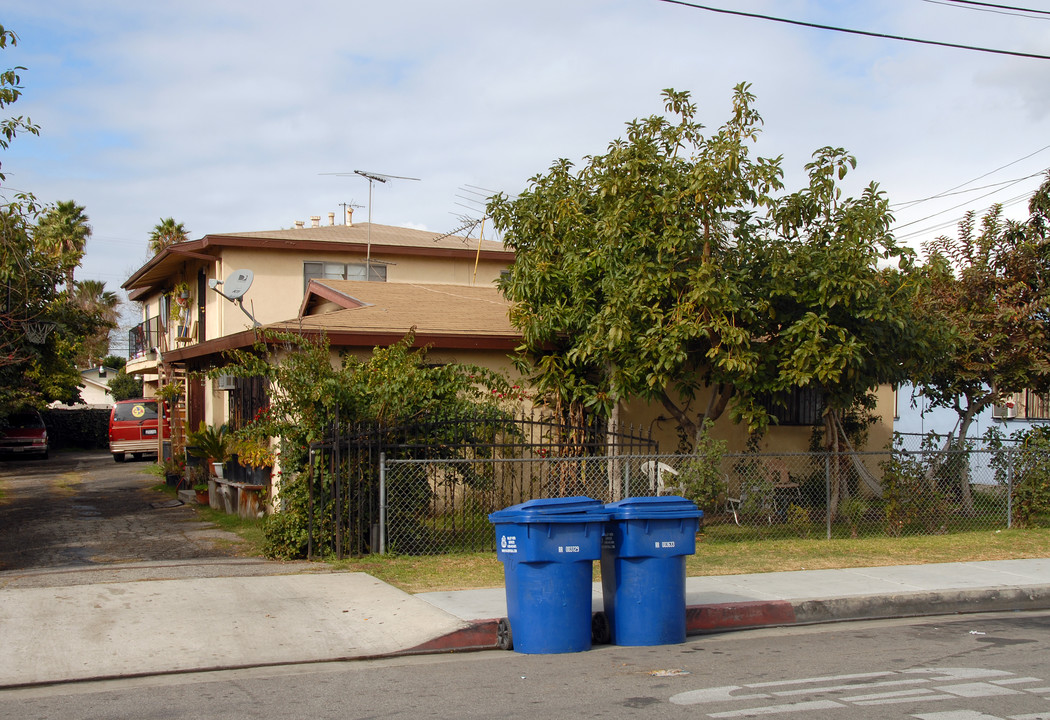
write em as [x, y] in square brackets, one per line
[655, 471]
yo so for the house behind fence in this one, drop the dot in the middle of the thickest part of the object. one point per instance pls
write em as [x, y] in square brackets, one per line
[429, 489]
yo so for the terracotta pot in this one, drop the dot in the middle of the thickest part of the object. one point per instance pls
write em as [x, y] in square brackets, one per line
[202, 496]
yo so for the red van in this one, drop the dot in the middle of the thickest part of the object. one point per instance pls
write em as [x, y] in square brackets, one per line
[133, 428]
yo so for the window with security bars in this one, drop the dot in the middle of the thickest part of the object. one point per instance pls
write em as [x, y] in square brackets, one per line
[1036, 406]
[246, 400]
[800, 406]
[341, 271]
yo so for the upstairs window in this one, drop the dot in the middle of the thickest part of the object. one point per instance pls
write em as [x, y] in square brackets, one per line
[341, 271]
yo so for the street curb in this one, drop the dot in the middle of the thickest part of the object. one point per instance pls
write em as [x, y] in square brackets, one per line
[918, 604]
[478, 635]
[724, 617]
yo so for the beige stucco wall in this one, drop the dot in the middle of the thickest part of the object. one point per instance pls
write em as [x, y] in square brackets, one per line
[654, 417]
[277, 290]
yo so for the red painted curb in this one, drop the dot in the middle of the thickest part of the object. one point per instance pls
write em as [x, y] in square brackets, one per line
[479, 635]
[726, 616]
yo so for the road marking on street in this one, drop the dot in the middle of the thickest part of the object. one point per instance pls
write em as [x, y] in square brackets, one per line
[917, 685]
[956, 715]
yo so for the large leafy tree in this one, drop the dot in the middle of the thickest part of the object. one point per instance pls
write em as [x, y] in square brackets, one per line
[667, 269]
[993, 284]
[166, 232]
[41, 329]
[622, 283]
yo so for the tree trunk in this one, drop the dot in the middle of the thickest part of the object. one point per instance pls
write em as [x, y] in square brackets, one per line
[972, 408]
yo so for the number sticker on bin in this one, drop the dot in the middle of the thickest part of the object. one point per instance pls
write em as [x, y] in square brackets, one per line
[508, 544]
[568, 548]
[664, 544]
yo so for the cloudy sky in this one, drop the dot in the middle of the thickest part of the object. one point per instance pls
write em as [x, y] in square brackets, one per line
[227, 115]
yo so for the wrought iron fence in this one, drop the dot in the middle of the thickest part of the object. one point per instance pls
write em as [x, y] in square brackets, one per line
[466, 467]
[436, 505]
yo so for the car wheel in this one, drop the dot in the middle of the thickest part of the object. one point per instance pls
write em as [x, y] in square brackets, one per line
[118, 457]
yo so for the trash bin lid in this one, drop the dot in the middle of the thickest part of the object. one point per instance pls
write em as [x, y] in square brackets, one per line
[552, 510]
[664, 507]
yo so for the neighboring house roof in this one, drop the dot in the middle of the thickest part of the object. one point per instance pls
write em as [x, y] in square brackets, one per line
[367, 314]
[385, 240]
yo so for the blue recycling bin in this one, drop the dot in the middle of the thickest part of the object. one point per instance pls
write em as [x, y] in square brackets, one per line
[643, 568]
[547, 548]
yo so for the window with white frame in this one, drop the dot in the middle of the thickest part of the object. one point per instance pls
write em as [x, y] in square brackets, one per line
[341, 271]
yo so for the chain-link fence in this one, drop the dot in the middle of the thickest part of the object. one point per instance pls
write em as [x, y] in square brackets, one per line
[432, 506]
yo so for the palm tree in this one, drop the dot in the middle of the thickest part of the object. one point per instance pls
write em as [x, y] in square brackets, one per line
[102, 305]
[64, 231]
[167, 232]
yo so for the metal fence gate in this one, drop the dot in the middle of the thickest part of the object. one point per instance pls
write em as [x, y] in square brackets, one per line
[466, 467]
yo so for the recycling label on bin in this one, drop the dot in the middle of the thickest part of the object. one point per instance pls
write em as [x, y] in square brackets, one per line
[508, 544]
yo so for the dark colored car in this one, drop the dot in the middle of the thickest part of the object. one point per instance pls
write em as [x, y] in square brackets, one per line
[23, 433]
[133, 427]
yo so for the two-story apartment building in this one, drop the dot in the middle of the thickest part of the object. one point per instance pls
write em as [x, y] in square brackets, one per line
[186, 324]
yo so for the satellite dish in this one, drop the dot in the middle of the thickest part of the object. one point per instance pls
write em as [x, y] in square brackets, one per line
[238, 283]
[234, 287]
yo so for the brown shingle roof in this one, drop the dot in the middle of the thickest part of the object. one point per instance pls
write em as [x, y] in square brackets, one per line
[433, 309]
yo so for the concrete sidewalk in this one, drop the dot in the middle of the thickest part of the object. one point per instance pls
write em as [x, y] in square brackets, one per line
[160, 623]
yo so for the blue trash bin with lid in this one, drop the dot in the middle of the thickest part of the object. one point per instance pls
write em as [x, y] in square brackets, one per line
[643, 568]
[548, 548]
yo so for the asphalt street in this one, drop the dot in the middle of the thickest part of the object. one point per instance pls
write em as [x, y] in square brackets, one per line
[979, 667]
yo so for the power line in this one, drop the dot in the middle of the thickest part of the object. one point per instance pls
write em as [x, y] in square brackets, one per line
[1021, 11]
[955, 207]
[866, 33]
[999, 7]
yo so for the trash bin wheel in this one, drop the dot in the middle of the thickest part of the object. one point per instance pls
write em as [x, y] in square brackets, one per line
[504, 636]
[600, 634]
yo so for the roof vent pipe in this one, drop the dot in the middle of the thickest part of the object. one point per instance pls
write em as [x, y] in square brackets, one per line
[331, 218]
[299, 224]
[315, 221]
[349, 216]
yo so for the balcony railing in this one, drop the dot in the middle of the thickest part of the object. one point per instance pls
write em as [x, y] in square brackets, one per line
[144, 337]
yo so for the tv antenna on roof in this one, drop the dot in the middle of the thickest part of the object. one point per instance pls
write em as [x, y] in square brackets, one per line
[235, 285]
[373, 178]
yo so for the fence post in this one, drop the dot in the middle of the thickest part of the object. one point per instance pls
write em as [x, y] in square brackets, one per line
[1010, 487]
[310, 509]
[827, 493]
[382, 503]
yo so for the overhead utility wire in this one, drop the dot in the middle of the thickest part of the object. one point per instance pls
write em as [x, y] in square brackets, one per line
[1021, 13]
[1016, 200]
[952, 190]
[912, 203]
[1000, 7]
[956, 207]
[866, 33]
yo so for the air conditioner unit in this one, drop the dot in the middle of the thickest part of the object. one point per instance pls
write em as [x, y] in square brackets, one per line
[226, 382]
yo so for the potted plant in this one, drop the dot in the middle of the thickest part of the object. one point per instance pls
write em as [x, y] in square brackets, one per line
[199, 478]
[254, 453]
[173, 468]
[211, 443]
